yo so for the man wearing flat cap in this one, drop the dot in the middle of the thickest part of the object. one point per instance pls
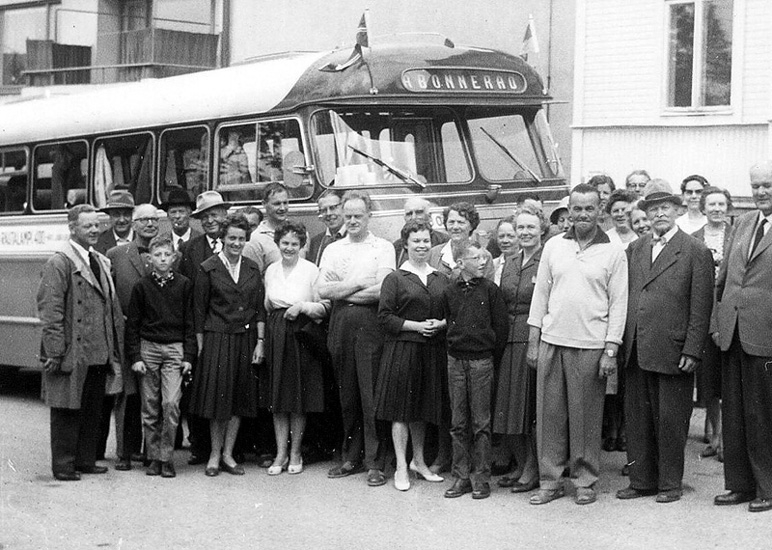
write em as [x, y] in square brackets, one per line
[211, 211]
[120, 205]
[670, 277]
[179, 207]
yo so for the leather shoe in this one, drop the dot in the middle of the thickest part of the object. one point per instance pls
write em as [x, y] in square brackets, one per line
[459, 488]
[507, 481]
[195, 460]
[481, 491]
[154, 469]
[629, 493]
[543, 496]
[733, 497]
[585, 495]
[375, 478]
[609, 444]
[123, 465]
[760, 505]
[138, 457]
[95, 469]
[67, 476]
[346, 469]
[621, 444]
[167, 469]
[212, 472]
[237, 470]
[525, 487]
[671, 495]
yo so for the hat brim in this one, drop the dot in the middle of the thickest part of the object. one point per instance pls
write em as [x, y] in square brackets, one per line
[556, 213]
[200, 211]
[644, 204]
[167, 205]
[111, 208]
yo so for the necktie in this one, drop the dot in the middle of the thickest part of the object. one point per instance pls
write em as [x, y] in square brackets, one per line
[217, 246]
[758, 236]
[94, 263]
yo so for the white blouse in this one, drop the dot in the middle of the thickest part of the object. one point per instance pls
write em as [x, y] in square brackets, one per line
[297, 286]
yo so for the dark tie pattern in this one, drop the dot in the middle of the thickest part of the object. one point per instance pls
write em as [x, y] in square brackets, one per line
[758, 236]
[94, 263]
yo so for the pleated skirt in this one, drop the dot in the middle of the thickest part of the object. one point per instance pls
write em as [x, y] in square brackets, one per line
[412, 382]
[291, 381]
[223, 384]
[514, 402]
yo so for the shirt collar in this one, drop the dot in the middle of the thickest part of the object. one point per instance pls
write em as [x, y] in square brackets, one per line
[82, 252]
[669, 235]
[466, 284]
[600, 236]
[410, 268]
[129, 237]
[762, 216]
[341, 231]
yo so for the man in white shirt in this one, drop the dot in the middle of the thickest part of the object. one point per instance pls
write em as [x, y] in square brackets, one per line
[351, 272]
[576, 320]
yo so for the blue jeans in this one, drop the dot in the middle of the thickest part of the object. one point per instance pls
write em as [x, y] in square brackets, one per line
[470, 384]
[161, 389]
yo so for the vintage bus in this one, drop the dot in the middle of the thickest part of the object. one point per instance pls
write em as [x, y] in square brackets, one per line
[405, 117]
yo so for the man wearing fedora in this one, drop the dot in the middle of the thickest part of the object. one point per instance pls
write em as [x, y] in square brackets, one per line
[744, 319]
[211, 211]
[120, 205]
[670, 277]
[179, 207]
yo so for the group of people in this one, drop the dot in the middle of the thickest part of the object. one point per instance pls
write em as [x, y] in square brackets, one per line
[435, 335]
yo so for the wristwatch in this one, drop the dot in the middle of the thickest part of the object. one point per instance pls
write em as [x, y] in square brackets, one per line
[611, 353]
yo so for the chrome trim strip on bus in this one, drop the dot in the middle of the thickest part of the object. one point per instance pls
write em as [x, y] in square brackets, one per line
[9, 320]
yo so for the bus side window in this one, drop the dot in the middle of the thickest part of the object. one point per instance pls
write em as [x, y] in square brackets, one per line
[59, 180]
[280, 140]
[124, 162]
[13, 181]
[184, 160]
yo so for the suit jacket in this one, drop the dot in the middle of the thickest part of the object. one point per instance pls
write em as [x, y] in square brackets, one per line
[669, 302]
[744, 289]
[194, 252]
[128, 269]
[222, 305]
[517, 284]
[82, 324]
[105, 242]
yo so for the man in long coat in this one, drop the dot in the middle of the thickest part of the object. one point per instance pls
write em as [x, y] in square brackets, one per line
[81, 345]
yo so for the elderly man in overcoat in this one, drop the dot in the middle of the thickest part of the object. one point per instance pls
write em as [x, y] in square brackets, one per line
[81, 345]
[668, 315]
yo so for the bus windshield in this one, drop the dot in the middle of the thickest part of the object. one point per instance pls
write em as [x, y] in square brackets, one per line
[382, 147]
[361, 147]
[513, 146]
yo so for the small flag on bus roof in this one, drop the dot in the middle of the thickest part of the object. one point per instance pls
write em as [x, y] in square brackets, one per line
[530, 42]
[362, 41]
[362, 38]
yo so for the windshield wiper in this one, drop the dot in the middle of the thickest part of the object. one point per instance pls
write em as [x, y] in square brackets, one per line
[511, 155]
[401, 174]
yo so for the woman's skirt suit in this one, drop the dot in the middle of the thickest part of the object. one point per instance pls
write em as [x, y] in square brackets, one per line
[292, 381]
[227, 313]
[514, 402]
[412, 379]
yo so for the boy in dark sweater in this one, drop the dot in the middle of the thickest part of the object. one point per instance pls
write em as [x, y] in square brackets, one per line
[161, 346]
[478, 325]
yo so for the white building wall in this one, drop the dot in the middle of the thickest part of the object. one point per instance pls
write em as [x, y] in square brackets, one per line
[620, 123]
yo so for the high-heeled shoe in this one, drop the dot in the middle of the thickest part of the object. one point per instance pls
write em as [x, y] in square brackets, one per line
[401, 480]
[276, 469]
[295, 468]
[427, 474]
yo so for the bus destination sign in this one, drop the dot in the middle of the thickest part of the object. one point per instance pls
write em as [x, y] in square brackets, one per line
[439, 79]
